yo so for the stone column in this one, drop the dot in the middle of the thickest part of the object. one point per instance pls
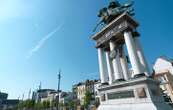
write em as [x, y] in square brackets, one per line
[141, 56]
[124, 63]
[116, 63]
[136, 66]
[101, 66]
[109, 67]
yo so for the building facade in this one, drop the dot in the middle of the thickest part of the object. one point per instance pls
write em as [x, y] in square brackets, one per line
[52, 95]
[45, 95]
[7, 103]
[66, 97]
[81, 88]
[163, 72]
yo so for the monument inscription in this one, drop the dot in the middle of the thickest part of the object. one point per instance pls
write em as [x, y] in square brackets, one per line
[114, 29]
[121, 95]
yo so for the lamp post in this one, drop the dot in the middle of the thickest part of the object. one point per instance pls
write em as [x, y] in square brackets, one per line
[59, 79]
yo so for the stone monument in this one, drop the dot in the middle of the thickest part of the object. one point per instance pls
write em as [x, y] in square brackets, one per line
[124, 88]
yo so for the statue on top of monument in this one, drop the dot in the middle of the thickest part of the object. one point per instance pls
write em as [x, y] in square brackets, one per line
[108, 14]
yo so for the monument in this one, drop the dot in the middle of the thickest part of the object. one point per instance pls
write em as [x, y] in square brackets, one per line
[124, 88]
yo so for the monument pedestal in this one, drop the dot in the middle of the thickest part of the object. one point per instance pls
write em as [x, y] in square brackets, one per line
[136, 94]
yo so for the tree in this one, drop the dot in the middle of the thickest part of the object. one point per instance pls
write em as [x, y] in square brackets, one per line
[87, 99]
[28, 104]
[46, 104]
[61, 105]
[20, 105]
[38, 106]
[53, 103]
[71, 104]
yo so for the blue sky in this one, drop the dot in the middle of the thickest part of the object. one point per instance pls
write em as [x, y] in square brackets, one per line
[37, 37]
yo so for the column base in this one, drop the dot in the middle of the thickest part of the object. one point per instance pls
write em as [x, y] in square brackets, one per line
[139, 75]
[104, 84]
[119, 80]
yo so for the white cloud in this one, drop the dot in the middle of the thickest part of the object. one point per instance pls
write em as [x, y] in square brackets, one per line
[42, 42]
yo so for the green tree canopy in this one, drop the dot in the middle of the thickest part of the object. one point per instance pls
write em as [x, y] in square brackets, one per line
[87, 99]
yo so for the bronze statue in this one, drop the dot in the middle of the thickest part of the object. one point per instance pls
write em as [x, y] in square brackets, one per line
[108, 14]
